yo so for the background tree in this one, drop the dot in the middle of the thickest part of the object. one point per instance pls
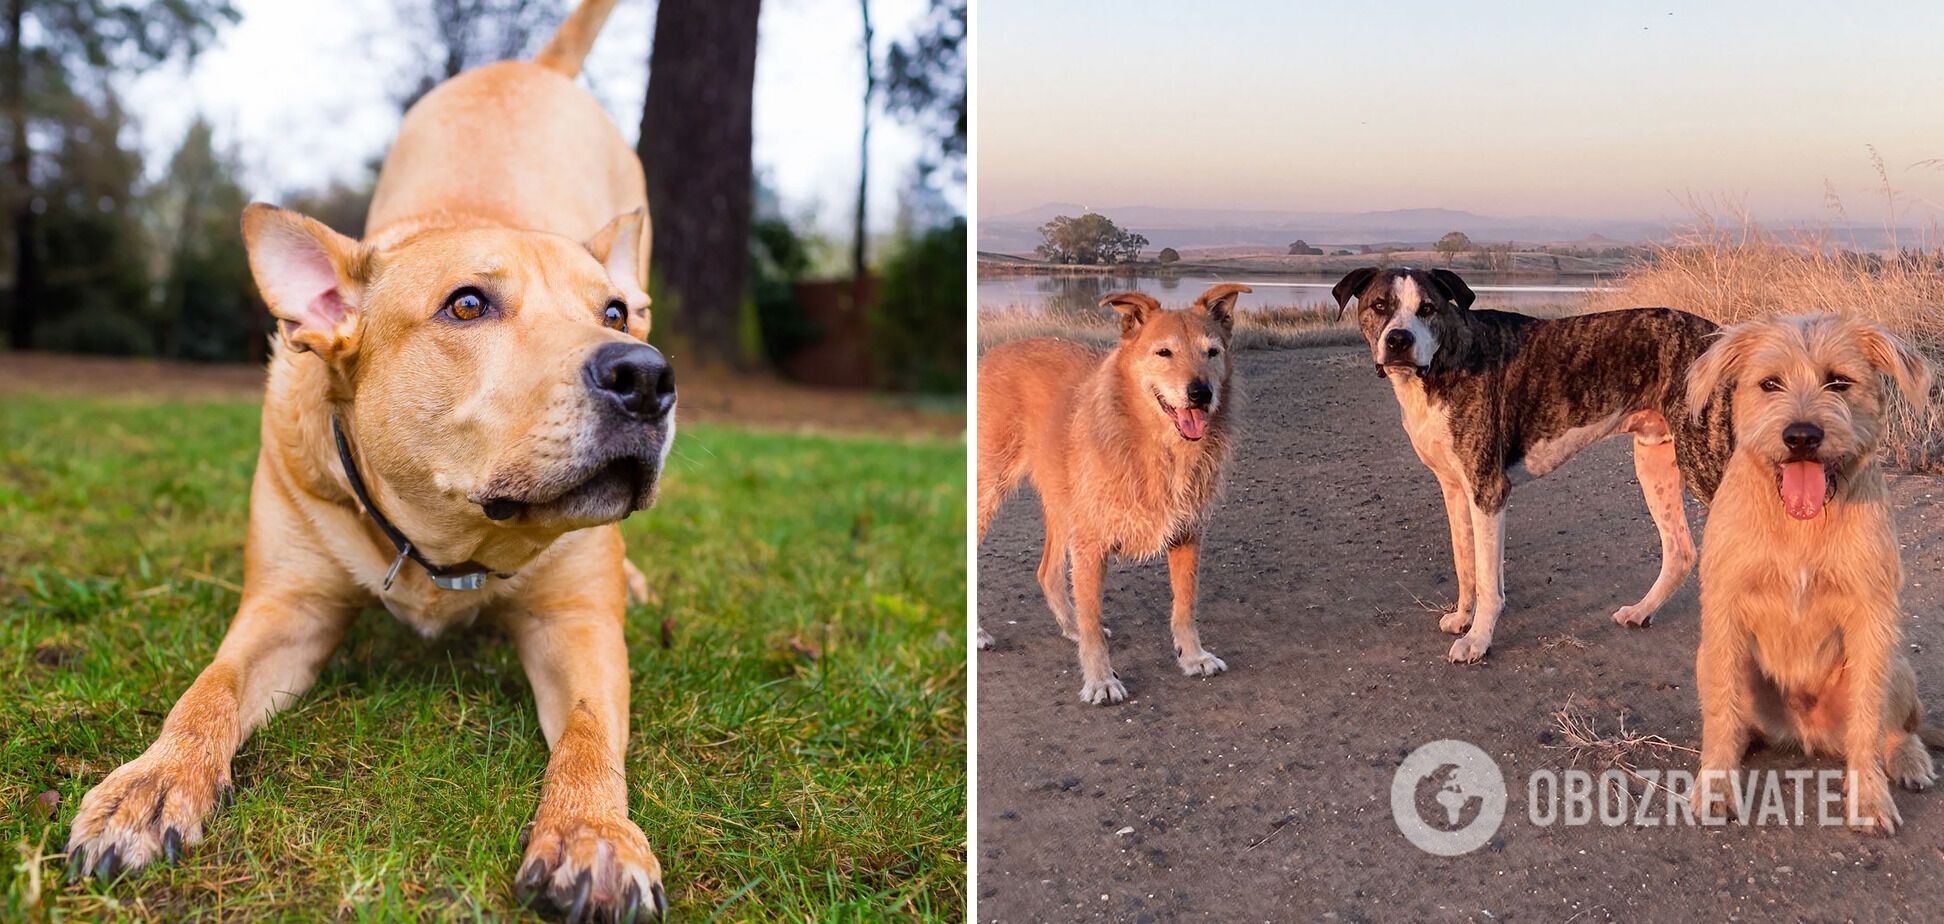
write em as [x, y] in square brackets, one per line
[464, 34]
[57, 53]
[925, 83]
[696, 136]
[1169, 255]
[1090, 239]
[1302, 249]
[1454, 242]
[209, 310]
[860, 235]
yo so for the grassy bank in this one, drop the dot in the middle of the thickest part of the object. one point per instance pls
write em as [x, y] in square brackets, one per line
[797, 747]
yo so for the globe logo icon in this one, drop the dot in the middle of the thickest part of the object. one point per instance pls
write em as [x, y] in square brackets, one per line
[1448, 798]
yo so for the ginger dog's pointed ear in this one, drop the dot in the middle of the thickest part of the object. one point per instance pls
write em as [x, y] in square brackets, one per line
[312, 277]
[1454, 287]
[622, 247]
[1351, 284]
[1898, 361]
[1715, 369]
[1219, 304]
[1134, 308]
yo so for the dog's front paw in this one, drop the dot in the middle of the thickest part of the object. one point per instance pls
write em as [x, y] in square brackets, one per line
[1910, 766]
[1104, 691]
[1202, 663]
[1871, 810]
[1468, 649]
[590, 868]
[1456, 622]
[148, 809]
[1634, 616]
[1712, 801]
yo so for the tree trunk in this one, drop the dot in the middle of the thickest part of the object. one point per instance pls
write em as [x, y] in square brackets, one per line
[858, 240]
[695, 145]
[23, 303]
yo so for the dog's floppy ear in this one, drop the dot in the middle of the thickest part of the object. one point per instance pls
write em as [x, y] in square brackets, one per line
[1899, 361]
[312, 277]
[1454, 287]
[1716, 368]
[1219, 304]
[1352, 283]
[622, 247]
[1134, 308]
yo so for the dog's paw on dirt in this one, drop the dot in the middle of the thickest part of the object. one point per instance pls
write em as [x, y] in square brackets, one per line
[147, 809]
[1455, 622]
[1468, 649]
[1712, 800]
[1634, 616]
[1104, 691]
[1910, 766]
[1872, 809]
[985, 641]
[1202, 663]
[595, 868]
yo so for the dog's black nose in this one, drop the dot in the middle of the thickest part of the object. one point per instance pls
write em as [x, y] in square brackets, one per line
[1399, 340]
[636, 377]
[1199, 394]
[1802, 437]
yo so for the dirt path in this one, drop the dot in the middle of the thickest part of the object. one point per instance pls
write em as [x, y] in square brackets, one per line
[1263, 794]
[757, 401]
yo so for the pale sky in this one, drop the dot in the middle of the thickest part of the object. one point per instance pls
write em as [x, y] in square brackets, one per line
[1611, 109]
[303, 92]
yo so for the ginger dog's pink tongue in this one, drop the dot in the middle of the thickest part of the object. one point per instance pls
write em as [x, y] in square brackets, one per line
[1803, 487]
[1191, 422]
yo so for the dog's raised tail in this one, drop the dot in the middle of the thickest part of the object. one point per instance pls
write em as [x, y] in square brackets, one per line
[575, 37]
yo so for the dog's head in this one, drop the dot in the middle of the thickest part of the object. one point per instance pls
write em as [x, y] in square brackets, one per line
[1808, 397]
[1179, 359]
[1407, 315]
[495, 382]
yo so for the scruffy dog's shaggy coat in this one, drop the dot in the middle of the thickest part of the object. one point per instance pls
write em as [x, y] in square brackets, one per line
[1800, 637]
[1126, 450]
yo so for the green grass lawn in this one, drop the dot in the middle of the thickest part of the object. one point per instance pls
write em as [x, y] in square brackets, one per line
[797, 751]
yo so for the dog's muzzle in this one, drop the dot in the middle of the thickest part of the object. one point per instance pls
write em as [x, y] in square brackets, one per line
[1398, 351]
[633, 380]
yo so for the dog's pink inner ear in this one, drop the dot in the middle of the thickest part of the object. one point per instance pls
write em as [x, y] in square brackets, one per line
[300, 282]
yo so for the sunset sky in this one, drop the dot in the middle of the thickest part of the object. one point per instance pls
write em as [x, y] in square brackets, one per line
[1614, 110]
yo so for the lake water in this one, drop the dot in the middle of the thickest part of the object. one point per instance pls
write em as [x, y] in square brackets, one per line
[1081, 294]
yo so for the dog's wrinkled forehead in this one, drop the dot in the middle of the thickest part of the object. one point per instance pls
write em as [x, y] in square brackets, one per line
[518, 273]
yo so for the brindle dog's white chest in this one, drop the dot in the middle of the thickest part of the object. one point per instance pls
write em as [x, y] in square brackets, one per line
[1428, 426]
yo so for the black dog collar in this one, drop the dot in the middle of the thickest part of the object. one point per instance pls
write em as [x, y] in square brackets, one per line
[467, 575]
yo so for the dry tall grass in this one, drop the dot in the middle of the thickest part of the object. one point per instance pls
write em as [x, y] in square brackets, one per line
[1734, 271]
[1255, 328]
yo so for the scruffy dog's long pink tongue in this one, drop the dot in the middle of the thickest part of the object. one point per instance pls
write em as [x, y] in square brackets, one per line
[1803, 488]
[1191, 422]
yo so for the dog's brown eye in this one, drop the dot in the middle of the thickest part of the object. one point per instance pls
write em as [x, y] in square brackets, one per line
[1838, 382]
[1379, 306]
[616, 316]
[466, 305]
[1424, 308]
[1164, 352]
[1771, 384]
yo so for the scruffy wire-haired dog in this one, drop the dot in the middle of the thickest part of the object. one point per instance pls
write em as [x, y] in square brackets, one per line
[1126, 450]
[1492, 399]
[1800, 637]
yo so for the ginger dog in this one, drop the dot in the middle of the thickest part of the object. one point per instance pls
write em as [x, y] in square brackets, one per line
[1800, 621]
[1126, 450]
[459, 409]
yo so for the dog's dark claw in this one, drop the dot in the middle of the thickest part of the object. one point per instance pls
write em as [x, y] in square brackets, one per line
[630, 910]
[77, 865]
[526, 835]
[226, 795]
[583, 888]
[172, 845]
[106, 868]
[528, 882]
[661, 900]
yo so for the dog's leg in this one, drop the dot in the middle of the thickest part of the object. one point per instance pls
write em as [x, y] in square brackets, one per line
[1870, 644]
[1724, 671]
[1488, 560]
[1905, 758]
[154, 805]
[1464, 562]
[584, 855]
[1660, 481]
[1053, 581]
[1184, 557]
[1099, 684]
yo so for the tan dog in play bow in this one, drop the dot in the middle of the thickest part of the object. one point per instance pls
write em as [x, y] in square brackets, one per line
[460, 407]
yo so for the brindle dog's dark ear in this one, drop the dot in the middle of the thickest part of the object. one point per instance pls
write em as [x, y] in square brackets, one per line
[1134, 308]
[1219, 304]
[1454, 287]
[1348, 287]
